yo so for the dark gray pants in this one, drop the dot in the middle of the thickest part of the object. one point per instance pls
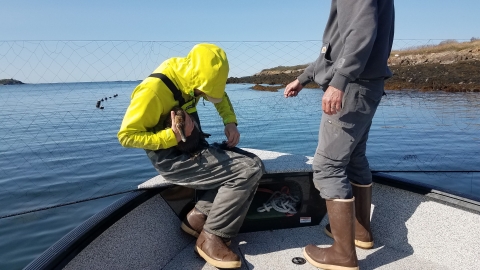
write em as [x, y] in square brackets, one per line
[342, 141]
[229, 176]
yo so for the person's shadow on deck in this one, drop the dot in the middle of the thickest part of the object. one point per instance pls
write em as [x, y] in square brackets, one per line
[392, 208]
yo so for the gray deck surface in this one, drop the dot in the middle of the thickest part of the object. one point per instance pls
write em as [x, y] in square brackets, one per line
[411, 231]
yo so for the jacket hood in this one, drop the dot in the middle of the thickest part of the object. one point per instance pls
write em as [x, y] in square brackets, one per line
[205, 68]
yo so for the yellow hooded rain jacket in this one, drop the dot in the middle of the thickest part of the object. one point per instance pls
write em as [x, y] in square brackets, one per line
[205, 68]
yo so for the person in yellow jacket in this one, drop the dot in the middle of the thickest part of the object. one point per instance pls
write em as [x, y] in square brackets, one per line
[228, 174]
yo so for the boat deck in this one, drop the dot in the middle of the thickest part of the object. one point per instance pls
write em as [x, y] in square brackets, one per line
[411, 230]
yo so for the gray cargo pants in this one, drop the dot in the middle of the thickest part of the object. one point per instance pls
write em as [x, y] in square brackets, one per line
[230, 177]
[342, 141]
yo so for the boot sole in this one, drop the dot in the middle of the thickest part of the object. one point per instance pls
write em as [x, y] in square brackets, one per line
[358, 243]
[189, 230]
[224, 265]
[327, 266]
[195, 234]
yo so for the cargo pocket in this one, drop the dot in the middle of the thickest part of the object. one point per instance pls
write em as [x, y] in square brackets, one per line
[369, 95]
[337, 139]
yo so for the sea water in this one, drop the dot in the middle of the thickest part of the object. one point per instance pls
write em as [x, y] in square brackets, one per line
[60, 160]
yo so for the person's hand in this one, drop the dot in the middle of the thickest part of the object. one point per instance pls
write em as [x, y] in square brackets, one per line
[332, 100]
[293, 89]
[233, 136]
[187, 126]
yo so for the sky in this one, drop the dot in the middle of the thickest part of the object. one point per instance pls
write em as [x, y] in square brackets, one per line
[151, 25]
[218, 20]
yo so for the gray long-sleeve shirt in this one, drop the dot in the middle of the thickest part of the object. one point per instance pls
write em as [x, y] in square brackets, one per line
[356, 44]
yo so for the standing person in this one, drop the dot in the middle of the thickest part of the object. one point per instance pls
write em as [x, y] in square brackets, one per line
[351, 69]
[230, 177]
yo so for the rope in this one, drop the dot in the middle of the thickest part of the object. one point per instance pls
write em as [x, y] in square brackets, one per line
[65, 204]
[281, 202]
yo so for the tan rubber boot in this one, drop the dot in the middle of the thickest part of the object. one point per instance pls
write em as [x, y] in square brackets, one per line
[213, 249]
[363, 202]
[341, 255]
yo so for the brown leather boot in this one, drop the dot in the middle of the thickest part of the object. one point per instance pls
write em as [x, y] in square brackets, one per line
[193, 222]
[363, 202]
[213, 249]
[342, 254]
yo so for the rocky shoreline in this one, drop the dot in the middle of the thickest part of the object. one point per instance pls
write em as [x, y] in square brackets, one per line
[429, 69]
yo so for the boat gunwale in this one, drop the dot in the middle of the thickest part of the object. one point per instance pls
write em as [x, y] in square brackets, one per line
[64, 250]
[461, 200]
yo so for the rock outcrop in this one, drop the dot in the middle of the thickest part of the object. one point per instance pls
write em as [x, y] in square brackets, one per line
[9, 82]
[451, 67]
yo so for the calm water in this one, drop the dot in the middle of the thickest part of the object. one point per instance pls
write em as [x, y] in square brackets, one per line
[57, 148]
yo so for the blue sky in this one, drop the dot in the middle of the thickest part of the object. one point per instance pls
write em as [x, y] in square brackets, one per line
[218, 20]
[124, 29]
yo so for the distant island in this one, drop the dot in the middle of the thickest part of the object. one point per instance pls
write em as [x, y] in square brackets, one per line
[449, 66]
[9, 82]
